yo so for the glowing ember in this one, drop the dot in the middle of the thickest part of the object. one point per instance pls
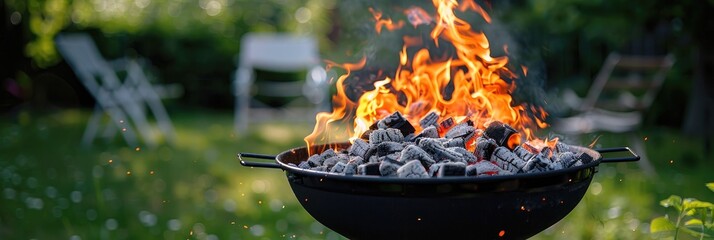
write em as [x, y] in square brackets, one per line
[470, 85]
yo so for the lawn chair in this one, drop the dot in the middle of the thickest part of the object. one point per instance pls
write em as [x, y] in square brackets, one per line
[622, 92]
[277, 52]
[124, 101]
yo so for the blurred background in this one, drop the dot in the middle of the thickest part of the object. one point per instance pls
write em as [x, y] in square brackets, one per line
[70, 168]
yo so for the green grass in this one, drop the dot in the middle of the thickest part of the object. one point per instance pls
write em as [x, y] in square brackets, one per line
[53, 188]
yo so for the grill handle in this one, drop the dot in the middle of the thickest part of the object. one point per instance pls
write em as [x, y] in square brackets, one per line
[257, 164]
[632, 158]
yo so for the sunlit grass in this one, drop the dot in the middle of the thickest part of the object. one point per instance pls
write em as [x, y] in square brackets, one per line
[51, 187]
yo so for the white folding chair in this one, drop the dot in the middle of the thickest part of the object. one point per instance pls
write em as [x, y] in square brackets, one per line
[623, 90]
[123, 101]
[620, 95]
[278, 52]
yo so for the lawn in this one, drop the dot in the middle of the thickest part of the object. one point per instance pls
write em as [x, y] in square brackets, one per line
[53, 188]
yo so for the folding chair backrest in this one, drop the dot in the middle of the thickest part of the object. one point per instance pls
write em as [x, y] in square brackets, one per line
[628, 83]
[278, 52]
[82, 55]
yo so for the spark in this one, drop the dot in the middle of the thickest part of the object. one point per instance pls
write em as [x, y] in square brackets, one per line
[128, 172]
[501, 233]
[111, 161]
[137, 149]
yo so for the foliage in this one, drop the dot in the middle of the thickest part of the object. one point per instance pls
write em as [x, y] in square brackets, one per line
[693, 217]
[48, 180]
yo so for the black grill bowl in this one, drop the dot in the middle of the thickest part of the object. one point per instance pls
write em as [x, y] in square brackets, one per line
[497, 207]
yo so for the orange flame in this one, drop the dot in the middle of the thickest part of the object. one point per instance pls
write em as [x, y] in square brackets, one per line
[388, 23]
[469, 85]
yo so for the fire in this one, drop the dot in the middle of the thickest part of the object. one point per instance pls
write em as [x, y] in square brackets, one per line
[470, 85]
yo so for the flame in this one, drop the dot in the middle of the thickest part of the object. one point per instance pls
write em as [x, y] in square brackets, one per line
[388, 23]
[470, 85]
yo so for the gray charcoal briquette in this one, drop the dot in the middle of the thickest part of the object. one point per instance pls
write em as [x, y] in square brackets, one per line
[452, 169]
[386, 148]
[412, 169]
[385, 135]
[396, 121]
[389, 168]
[471, 170]
[507, 160]
[430, 119]
[359, 148]
[466, 155]
[315, 160]
[485, 148]
[304, 165]
[414, 152]
[462, 130]
[428, 132]
[350, 169]
[356, 160]
[338, 168]
[368, 169]
[330, 162]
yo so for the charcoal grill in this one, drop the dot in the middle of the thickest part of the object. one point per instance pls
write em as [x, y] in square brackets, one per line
[494, 207]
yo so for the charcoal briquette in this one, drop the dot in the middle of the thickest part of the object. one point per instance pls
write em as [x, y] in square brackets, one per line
[338, 168]
[455, 142]
[584, 157]
[414, 152]
[315, 160]
[507, 160]
[368, 169]
[350, 168]
[328, 153]
[386, 148]
[428, 132]
[452, 169]
[466, 156]
[412, 169]
[500, 132]
[396, 121]
[392, 156]
[359, 148]
[446, 154]
[304, 165]
[562, 147]
[356, 160]
[434, 168]
[389, 167]
[523, 153]
[330, 162]
[319, 168]
[430, 119]
[472, 170]
[447, 124]
[484, 148]
[462, 130]
[385, 135]
[486, 167]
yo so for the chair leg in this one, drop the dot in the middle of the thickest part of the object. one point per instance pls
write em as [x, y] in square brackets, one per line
[136, 113]
[157, 109]
[116, 117]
